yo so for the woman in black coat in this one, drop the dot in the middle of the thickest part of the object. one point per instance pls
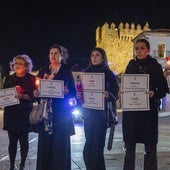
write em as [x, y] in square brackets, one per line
[142, 126]
[16, 117]
[54, 152]
[96, 122]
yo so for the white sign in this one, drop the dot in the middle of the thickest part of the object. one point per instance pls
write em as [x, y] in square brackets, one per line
[51, 88]
[135, 82]
[93, 87]
[134, 96]
[7, 97]
[93, 100]
[132, 101]
[93, 81]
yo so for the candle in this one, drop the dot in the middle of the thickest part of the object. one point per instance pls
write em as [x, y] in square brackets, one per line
[37, 82]
[18, 89]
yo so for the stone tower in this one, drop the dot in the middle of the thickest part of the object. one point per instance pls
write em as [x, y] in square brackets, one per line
[117, 43]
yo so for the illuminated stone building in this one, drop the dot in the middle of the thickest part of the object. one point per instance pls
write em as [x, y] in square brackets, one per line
[117, 43]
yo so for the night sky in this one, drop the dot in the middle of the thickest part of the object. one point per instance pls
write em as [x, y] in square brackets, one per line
[31, 27]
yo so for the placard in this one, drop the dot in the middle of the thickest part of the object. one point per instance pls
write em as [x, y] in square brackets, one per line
[51, 88]
[93, 100]
[93, 81]
[7, 97]
[134, 96]
[93, 87]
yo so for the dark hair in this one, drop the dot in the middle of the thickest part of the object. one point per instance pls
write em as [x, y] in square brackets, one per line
[56, 46]
[63, 51]
[144, 41]
[103, 53]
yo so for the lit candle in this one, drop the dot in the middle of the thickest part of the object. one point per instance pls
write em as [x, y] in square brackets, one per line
[37, 82]
[18, 89]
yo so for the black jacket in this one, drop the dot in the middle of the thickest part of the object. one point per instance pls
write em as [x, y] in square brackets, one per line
[142, 126]
[62, 116]
[111, 85]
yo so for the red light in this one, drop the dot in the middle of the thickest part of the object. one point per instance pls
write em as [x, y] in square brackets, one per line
[18, 89]
[168, 60]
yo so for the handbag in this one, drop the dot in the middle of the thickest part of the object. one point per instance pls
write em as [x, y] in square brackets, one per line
[38, 112]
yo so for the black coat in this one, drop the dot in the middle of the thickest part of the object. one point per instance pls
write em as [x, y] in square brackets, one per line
[57, 145]
[111, 85]
[16, 117]
[62, 115]
[142, 126]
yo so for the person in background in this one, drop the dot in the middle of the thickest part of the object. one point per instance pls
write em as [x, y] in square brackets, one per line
[142, 126]
[16, 117]
[96, 122]
[54, 150]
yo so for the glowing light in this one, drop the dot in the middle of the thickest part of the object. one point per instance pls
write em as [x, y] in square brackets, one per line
[37, 82]
[72, 102]
[76, 112]
[18, 89]
[168, 61]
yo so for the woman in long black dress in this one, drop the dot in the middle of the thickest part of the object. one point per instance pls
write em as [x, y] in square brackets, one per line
[54, 139]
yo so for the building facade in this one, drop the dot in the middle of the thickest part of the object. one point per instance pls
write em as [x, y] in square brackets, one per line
[159, 40]
[117, 42]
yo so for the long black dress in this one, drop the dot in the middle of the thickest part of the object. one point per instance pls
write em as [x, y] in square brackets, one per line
[54, 149]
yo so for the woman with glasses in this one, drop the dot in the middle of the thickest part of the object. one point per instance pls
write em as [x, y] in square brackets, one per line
[16, 117]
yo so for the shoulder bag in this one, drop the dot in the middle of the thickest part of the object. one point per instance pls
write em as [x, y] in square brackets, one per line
[38, 112]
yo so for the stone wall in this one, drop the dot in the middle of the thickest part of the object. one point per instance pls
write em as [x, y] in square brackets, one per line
[117, 43]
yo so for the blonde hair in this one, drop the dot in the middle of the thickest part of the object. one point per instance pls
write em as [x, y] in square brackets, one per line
[27, 62]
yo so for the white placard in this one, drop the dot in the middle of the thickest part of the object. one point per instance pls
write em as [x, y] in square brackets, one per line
[7, 97]
[93, 81]
[133, 92]
[135, 101]
[51, 88]
[135, 82]
[93, 100]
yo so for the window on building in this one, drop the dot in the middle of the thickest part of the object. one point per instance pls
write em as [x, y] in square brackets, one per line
[161, 50]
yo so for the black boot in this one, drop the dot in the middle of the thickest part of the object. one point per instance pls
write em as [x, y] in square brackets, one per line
[21, 167]
[14, 167]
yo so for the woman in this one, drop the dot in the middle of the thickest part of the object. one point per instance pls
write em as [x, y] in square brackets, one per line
[96, 122]
[16, 117]
[142, 126]
[54, 140]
